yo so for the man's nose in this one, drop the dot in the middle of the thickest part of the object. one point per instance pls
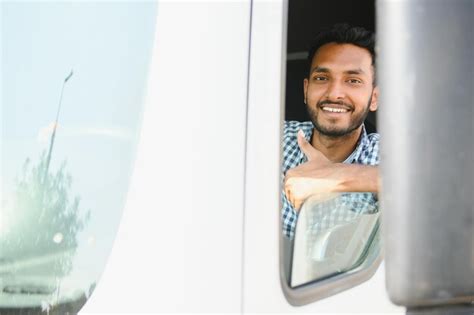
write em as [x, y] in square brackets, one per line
[335, 91]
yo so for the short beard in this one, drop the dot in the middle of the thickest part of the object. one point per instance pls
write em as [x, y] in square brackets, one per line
[336, 133]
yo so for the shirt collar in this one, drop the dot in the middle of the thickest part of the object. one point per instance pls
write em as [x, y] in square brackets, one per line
[362, 143]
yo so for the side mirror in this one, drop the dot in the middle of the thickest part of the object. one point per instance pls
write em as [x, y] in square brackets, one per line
[323, 250]
[336, 245]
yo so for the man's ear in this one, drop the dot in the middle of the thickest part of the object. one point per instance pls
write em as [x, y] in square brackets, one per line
[374, 101]
[305, 88]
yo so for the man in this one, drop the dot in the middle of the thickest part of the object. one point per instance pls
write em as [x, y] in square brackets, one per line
[333, 152]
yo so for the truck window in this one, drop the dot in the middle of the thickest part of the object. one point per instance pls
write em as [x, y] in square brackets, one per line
[327, 236]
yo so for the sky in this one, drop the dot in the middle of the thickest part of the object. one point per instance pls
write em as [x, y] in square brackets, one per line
[108, 46]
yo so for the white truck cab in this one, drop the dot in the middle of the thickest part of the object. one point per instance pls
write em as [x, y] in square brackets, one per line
[171, 126]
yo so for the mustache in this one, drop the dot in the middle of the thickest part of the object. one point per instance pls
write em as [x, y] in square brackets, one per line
[329, 102]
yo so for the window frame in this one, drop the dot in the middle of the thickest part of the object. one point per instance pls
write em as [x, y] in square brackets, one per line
[317, 289]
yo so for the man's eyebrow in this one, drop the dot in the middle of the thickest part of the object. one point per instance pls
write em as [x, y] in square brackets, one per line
[326, 70]
[355, 71]
[320, 69]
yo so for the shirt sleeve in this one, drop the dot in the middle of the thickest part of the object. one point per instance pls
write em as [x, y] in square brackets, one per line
[373, 157]
[289, 217]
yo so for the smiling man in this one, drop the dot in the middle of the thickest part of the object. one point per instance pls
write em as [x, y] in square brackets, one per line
[333, 152]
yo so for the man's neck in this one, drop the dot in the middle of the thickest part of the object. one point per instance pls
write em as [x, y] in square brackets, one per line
[336, 149]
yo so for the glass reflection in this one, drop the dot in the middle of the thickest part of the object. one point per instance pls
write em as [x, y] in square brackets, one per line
[65, 165]
[332, 235]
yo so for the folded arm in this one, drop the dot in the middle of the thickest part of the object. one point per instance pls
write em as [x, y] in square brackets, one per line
[321, 176]
[359, 178]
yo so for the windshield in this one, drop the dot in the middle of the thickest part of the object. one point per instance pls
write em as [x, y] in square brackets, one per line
[73, 83]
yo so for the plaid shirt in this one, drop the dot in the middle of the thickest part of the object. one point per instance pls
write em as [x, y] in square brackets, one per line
[366, 152]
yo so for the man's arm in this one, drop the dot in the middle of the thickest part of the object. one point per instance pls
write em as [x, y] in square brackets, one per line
[321, 176]
[360, 178]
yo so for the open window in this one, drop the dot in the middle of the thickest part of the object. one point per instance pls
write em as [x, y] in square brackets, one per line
[335, 243]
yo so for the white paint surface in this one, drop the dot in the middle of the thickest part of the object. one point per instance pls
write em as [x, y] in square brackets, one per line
[179, 245]
[262, 290]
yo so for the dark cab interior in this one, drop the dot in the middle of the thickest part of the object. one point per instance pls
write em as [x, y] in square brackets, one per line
[305, 18]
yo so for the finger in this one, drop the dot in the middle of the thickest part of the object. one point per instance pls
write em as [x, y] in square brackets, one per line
[297, 205]
[311, 152]
[292, 202]
[289, 197]
[305, 146]
[286, 189]
[288, 194]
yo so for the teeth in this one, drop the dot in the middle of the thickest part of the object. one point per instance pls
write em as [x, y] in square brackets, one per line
[335, 110]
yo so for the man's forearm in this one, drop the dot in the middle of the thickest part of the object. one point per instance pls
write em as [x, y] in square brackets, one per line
[360, 178]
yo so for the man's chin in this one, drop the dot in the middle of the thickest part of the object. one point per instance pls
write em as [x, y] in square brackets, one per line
[333, 132]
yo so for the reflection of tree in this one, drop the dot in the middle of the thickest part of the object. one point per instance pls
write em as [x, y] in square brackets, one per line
[47, 218]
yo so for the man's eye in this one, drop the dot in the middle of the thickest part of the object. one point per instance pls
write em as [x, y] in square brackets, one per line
[318, 78]
[354, 81]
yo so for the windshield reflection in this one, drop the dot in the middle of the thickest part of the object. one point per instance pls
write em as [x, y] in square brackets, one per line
[65, 166]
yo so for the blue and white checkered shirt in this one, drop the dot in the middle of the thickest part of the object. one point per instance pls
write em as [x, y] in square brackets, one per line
[366, 152]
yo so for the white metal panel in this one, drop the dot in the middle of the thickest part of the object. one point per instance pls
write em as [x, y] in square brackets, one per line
[262, 290]
[179, 246]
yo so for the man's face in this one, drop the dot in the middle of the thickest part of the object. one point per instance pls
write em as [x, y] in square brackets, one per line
[339, 92]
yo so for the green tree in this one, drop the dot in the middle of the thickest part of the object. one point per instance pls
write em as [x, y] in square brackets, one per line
[47, 218]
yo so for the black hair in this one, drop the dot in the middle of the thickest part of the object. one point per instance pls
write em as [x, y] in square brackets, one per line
[343, 34]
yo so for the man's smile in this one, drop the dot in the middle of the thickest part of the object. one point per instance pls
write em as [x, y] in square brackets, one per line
[334, 109]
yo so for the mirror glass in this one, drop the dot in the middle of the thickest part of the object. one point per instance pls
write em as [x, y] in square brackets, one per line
[332, 235]
[74, 78]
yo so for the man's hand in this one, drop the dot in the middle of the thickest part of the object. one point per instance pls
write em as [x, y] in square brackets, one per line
[311, 177]
[321, 176]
